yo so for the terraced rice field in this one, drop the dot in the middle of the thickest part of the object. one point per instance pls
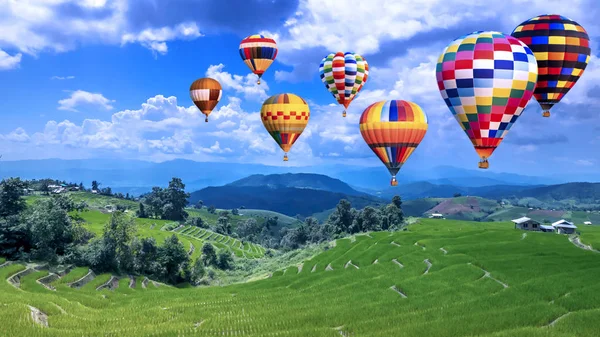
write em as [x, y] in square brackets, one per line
[440, 278]
[192, 237]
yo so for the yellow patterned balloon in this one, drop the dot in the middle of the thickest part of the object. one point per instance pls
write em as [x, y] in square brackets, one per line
[285, 116]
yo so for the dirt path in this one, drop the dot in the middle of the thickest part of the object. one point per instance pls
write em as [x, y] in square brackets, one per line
[577, 242]
[192, 249]
[557, 319]
[38, 316]
[349, 263]
[394, 288]
[489, 275]
[398, 263]
[429, 265]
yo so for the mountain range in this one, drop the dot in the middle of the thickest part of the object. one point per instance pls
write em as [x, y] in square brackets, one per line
[134, 176]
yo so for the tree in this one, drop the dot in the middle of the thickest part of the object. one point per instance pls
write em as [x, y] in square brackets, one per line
[199, 204]
[342, 217]
[51, 229]
[197, 222]
[11, 197]
[173, 259]
[212, 209]
[367, 220]
[176, 200]
[141, 212]
[145, 257]
[224, 260]
[456, 195]
[209, 255]
[81, 187]
[249, 229]
[95, 185]
[223, 224]
[14, 237]
[391, 217]
[235, 211]
[198, 272]
[118, 234]
[397, 201]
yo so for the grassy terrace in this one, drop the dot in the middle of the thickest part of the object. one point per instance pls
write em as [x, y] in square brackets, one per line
[439, 278]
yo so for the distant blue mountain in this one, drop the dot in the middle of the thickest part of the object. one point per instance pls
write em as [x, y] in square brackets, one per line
[134, 176]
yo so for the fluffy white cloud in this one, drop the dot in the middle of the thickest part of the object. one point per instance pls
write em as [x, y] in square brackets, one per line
[18, 135]
[60, 25]
[80, 97]
[9, 61]
[246, 85]
[155, 38]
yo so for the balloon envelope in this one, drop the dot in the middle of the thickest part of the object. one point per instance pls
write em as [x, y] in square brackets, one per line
[486, 79]
[393, 130]
[206, 94]
[258, 52]
[561, 47]
[344, 75]
[285, 116]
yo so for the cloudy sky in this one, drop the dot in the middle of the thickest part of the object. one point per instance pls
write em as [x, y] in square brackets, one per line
[110, 79]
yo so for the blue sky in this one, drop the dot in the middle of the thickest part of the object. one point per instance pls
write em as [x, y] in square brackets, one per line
[110, 79]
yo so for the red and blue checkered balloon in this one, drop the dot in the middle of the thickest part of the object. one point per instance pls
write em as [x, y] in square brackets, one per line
[486, 79]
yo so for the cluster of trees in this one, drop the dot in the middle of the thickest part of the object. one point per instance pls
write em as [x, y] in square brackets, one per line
[165, 203]
[51, 231]
[343, 221]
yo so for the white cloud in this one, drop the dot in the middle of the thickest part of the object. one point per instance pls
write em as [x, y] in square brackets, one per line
[18, 135]
[62, 78]
[81, 97]
[225, 125]
[241, 84]
[216, 148]
[61, 25]
[155, 38]
[9, 62]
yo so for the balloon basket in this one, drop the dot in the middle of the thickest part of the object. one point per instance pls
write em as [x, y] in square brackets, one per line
[484, 164]
[206, 120]
[546, 114]
[394, 182]
[285, 157]
[344, 113]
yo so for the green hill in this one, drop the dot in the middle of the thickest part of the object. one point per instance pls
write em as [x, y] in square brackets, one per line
[439, 278]
[297, 180]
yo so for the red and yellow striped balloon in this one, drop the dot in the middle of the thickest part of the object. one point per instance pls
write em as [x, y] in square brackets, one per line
[285, 116]
[393, 130]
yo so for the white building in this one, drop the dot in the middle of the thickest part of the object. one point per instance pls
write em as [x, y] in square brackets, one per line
[436, 216]
[587, 223]
[564, 227]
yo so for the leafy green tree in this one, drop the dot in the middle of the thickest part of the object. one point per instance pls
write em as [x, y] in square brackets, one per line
[141, 212]
[212, 209]
[145, 256]
[176, 200]
[118, 235]
[198, 272]
[14, 237]
[95, 185]
[367, 220]
[224, 260]
[397, 201]
[199, 204]
[52, 230]
[197, 222]
[249, 229]
[11, 197]
[342, 217]
[173, 259]
[235, 211]
[456, 195]
[209, 254]
[223, 224]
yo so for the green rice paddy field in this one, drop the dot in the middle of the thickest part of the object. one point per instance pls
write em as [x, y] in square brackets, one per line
[438, 278]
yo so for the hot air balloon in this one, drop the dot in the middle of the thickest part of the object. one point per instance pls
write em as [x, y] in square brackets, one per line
[206, 94]
[285, 116]
[486, 79]
[393, 130]
[344, 75]
[561, 47]
[258, 52]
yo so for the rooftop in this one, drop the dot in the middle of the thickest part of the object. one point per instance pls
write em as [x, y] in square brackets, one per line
[521, 220]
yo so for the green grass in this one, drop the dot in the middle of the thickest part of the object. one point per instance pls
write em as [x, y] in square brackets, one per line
[590, 235]
[547, 277]
[282, 218]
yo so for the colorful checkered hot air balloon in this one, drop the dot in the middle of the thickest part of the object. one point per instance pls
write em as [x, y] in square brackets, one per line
[285, 116]
[561, 47]
[393, 130]
[258, 52]
[486, 79]
[206, 94]
[344, 75]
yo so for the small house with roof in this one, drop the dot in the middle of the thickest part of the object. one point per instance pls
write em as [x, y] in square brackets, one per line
[436, 216]
[564, 227]
[587, 223]
[527, 224]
